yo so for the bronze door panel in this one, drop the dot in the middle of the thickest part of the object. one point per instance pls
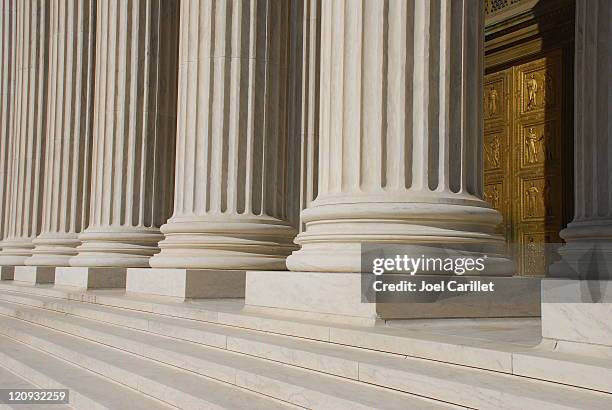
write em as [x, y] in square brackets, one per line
[523, 151]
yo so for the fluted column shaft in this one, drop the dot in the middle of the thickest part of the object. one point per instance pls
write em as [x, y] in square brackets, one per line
[133, 132]
[7, 29]
[589, 236]
[230, 208]
[68, 136]
[400, 133]
[27, 129]
[309, 99]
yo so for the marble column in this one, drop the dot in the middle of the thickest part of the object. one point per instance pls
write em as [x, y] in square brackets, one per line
[7, 33]
[24, 189]
[7, 16]
[230, 207]
[576, 313]
[588, 249]
[400, 145]
[68, 139]
[133, 132]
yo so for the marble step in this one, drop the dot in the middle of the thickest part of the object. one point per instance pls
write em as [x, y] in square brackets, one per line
[315, 355]
[9, 380]
[563, 367]
[176, 387]
[463, 351]
[329, 358]
[455, 384]
[87, 390]
[299, 386]
[434, 347]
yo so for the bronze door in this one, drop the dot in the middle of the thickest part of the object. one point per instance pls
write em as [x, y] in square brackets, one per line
[523, 151]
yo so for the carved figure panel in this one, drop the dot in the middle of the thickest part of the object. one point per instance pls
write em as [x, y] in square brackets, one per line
[494, 101]
[494, 195]
[494, 149]
[538, 85]
[539, 199]
[525, 148]
[533, 251]
[538, 144]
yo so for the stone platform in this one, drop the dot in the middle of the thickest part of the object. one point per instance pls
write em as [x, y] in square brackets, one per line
[159, 351]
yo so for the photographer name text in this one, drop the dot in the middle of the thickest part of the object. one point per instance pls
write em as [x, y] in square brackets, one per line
[441, 286]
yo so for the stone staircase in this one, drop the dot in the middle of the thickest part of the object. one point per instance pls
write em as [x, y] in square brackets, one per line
[116, 351]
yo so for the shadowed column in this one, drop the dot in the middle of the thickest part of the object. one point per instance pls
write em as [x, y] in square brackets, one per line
[588, 252]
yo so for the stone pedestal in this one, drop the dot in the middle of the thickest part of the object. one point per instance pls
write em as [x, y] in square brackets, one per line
[313, 295]
[338, 297]
[34, 274]
[90, 278]
[187, 283]
[7, 272]
[577, 314]
[230, 205]
[133, 132]
[68, 132]
[400, 146]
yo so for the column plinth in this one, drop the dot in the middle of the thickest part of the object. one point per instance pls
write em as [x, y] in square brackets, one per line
[400, 141]
[133, 132]
[230, 206]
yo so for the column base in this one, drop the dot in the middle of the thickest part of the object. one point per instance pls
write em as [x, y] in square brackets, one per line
[335, 232]
[225, 242]
[187, 283]
[53, 250]
[34, 274]
[338, 297]
[122, 247]
[15, 251]
[7, 272]
[90, 278]
[576, 313]
[587, 253]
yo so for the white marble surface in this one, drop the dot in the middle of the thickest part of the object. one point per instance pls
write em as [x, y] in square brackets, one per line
[577, 311]
[316, 292]
[186, 283]
[34, 274]
[90, 278]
